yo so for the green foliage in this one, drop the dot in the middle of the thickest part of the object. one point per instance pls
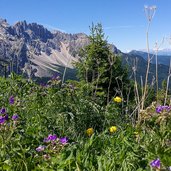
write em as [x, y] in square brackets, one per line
[53, 120]
[68, 111]
[103, 69]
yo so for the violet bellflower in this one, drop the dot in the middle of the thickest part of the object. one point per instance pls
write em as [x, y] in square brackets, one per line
[155, 164]
[160, 108]
[6, 117]
[2, 120]
[50, 138]
[3, 110]
[15, 117]
[63, 140]
[11, 100]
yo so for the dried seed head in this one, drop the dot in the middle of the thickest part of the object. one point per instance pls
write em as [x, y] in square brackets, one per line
[150, 12]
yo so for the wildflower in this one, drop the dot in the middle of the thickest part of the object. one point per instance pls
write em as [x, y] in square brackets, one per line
[113, 129]
[169, 168]
[167, 108]
[117, 99]
[6, 117]
[155, 164]
[63, 140]
[3, 110]
[136, 133]
[2, 120]
[11, 100]
[40, 148]
[50, 138]
[15, 117]
[89, 131]
[160, 109]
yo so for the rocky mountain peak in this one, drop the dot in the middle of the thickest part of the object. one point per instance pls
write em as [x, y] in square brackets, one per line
[31, 31]
[32, 46]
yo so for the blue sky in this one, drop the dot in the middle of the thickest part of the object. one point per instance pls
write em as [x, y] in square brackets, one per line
[124, 21]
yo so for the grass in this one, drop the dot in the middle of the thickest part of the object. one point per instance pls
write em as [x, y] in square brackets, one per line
[67, 112]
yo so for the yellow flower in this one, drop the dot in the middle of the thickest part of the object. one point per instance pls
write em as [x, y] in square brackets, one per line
[137, 136]
[113, 129]
[90, 131]
[117, 99]
[136, 133]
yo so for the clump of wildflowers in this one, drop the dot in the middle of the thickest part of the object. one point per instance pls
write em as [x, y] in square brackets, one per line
[89, 131]
[160, 109]
[112, 129]
[117, 99]
[54, 145]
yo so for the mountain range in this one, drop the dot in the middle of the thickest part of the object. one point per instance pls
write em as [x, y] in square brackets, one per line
[32, 49]
[163, 56]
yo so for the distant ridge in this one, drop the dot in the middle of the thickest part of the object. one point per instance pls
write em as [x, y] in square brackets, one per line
[38, 52]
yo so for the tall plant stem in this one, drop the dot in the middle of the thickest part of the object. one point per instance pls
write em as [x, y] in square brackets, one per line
[148, 67]
[157, 85]
[168, 79]
[66, 66]
[110, 81]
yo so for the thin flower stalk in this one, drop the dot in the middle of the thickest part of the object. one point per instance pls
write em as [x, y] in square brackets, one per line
[150, 12]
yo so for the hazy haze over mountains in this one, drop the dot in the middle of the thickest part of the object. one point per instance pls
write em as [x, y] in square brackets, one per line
[163, 56]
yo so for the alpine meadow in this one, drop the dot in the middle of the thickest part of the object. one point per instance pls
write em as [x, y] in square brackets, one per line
[75, 102]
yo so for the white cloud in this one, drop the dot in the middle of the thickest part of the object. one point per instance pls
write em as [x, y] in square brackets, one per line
[50, 27]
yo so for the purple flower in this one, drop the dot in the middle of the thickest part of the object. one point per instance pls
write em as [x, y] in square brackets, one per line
[169, 168]
[2, 120]
[155, 163]
[159, 109]
[40, 148]
[11, 100]
[15, 117]
[50, 138]
[3, 110]
[63, 140]
[167, 108]
[6, 117]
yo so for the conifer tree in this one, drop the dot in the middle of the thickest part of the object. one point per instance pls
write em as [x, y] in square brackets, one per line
[102, 68]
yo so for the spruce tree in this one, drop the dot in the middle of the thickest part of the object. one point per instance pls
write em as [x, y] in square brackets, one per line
[102, 68]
